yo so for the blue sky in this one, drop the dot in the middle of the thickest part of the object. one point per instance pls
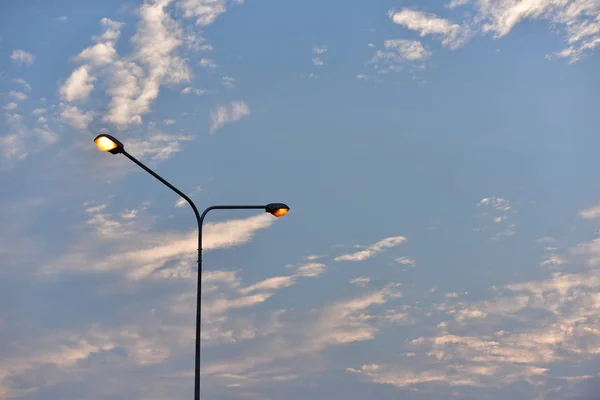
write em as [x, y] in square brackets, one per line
[440, 161]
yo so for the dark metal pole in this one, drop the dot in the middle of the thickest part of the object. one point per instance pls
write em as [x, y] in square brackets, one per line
[199, 220]
[199, 299]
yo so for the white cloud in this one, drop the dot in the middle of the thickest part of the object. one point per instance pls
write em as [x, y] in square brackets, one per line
[18, 95]
[311, 269]
[208, 63]
[189, 89]
[405, 260]
[46, 135]
[372, 250]
[22, 57]
[204, 11]
[143, 254]
[157, 145]
[24, 83]
[12, 147]
[63, 18]
[361, 281]
[39, 111]
[228, 82]
[398, 52]
[132, 88]
[76, 118]
[225, 114]
[452, 35]
[580, 18]
[79, 85]
[169, 121]
[553, 259]
[11, 106]
[411, 50]
[591, 212]
[319, 51]
[457, 3]
[495, 209]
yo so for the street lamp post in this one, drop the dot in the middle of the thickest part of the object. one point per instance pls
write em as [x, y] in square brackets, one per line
[110, 144]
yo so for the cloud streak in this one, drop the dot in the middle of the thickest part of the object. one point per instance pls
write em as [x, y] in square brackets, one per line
[373, 250]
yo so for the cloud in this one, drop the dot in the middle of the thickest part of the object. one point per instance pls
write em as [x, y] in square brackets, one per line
[169, 121]
[22, 57]
[77, 118]
[157, 145]
[79, 85]
[496, 203]
[580, 18]
[311, 269]
[398, 53]
[103, 52]
[39, 111]
[495, 212]
[319, 51]
[226, 114]
[23, 83]
[405, 260]
[228, 82]
[457, 3]
[526, 334]
[12, 147]
[62, 18]
[338, 323]
[361, 281]
[19, 96]
[372, 250]
[208, 63]
[204, 11]
[133, 88]
[591, 212]
[452, 35]
[553, 259]
[46, 135]
[189, 89]
[144, 255]
[11, 106]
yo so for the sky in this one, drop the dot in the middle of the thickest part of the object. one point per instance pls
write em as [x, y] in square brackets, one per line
[440, 162]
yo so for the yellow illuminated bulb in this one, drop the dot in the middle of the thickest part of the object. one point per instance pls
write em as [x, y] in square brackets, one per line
[280, 212]
[105, 144]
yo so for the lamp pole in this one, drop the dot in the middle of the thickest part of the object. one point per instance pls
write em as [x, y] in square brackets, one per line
[112, 145]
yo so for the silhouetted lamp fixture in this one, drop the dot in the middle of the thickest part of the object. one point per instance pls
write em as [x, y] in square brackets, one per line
[112, 145]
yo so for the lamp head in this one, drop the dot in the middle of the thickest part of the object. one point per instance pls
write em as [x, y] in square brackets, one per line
[277, 209]
[108, 143]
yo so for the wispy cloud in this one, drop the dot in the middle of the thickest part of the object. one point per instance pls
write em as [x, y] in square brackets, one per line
[22, 57]
[451, 34]
[77, 118]
[373, 249]
[592, 212]
[226, 114]
[397, 54]
[319, 51]
[23, 83]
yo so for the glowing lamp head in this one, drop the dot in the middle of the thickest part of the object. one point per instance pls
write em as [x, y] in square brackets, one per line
[109, 144]
[277, 209]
